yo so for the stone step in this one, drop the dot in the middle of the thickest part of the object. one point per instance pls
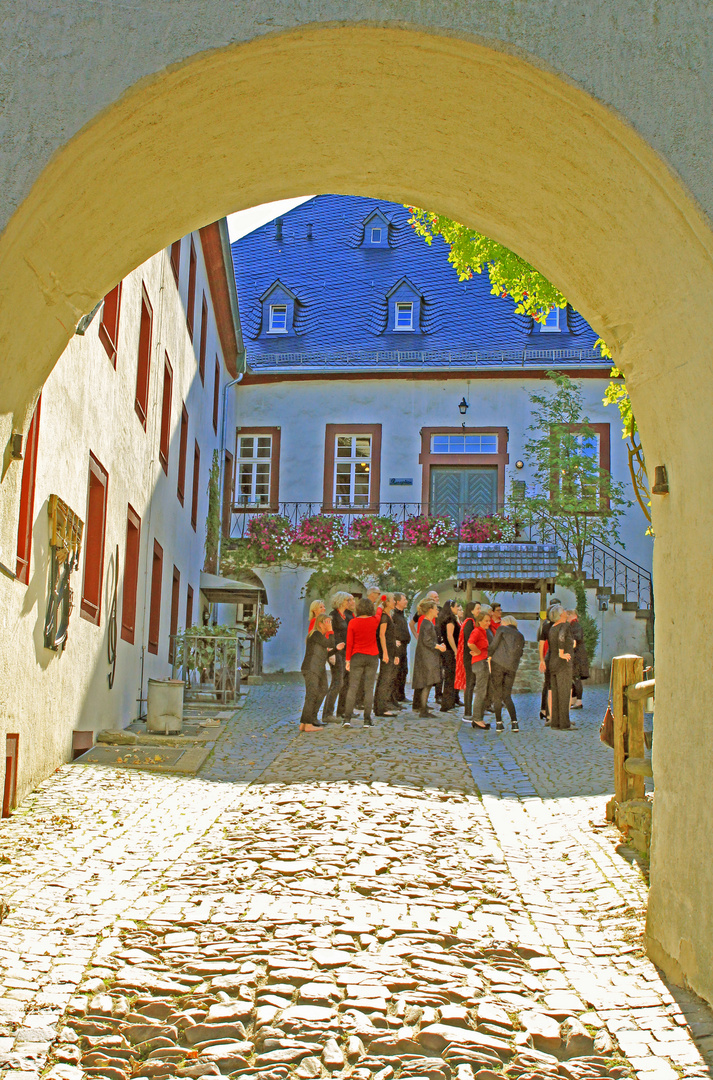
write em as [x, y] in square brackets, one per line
[643, 613]
[630, 605]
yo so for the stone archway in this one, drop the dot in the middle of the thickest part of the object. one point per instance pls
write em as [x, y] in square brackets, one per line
[496, 142]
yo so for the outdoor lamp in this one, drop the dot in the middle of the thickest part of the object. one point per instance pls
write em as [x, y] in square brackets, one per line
[463, 406]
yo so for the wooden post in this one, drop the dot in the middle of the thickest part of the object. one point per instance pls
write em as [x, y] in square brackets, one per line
[636, 785]
[543, 599]
[469, 590]
[625, 671]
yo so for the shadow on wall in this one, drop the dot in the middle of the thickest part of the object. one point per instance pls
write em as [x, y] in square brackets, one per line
[37, 587]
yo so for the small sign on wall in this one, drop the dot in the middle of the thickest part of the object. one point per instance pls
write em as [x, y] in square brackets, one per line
[400, 481]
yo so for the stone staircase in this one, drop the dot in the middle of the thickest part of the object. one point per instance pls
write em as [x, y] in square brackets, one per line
[529, 679]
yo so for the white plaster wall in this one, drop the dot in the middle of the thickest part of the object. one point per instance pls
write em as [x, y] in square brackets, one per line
[89, 406]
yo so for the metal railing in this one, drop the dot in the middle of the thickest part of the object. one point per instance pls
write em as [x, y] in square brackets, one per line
[399, 512]
[212, 661]
[415, 359]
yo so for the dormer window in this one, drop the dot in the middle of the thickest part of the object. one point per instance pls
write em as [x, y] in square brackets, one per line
[551, 323]
[404, 302]
[279, 305]
[278, 319]
[376, 230]
[404, 317]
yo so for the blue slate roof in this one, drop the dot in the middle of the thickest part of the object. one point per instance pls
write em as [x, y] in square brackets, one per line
[342, 290]
[507, 562]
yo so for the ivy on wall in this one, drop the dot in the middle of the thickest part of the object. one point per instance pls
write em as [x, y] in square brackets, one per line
[212, 527]
[410, 570]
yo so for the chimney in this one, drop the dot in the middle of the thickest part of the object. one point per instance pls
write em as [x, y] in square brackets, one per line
[278, 230]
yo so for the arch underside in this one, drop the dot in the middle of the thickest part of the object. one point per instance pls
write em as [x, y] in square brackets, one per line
[497, 143]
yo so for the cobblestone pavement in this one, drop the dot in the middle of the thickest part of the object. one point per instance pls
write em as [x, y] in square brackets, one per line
[342, 903]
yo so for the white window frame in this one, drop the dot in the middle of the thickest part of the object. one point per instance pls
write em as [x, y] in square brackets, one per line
[403, 304]
[281, 308]
[376, 235]
[254, 498]
[470, 435]
[353, 499]
[544, 329]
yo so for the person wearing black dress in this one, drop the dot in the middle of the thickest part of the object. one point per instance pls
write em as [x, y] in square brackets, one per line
[389, 659]
[318, 654]
[448, 634]
[340, 601]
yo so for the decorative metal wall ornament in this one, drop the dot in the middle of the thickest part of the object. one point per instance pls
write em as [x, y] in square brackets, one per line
[111, 636]
[66, 530]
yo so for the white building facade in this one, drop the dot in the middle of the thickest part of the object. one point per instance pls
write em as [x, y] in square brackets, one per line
[119, 451]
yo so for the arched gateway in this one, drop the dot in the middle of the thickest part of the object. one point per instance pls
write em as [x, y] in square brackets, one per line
[140, 134]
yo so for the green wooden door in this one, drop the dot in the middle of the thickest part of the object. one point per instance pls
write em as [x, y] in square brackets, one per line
[470, 491]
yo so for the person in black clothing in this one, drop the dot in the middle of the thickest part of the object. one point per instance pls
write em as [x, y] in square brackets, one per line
[543, 630]
[318, 653]
[561, 650]
[403, 637]
[448, 634]
[348, 615]
[472, 608]
[339, 626]
[389, 660]
[580, 665]
[505, 651]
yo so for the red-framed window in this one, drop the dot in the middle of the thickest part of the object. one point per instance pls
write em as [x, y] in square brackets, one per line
[131, 575]
[189, 607]
[196, 480]
[155, 601]
[190, 306]
[109, 323]
[176, 259]
[94, 537]
[352, 466]
[143, 372]
[27, 498]
[204, 340]
[175, 595]
[216, 395]
[257, 468]
[165, 440]
[182, 455]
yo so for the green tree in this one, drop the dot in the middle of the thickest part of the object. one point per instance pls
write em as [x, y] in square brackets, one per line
[471, 252]
[617, 394]
[572, 497]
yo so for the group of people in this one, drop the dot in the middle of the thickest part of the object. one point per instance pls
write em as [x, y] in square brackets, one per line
[356, 659]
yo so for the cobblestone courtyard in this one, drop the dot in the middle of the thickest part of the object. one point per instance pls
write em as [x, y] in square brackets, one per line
[414, 900]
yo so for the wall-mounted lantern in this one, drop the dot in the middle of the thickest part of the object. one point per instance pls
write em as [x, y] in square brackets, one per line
[519, 464]
[463, 406]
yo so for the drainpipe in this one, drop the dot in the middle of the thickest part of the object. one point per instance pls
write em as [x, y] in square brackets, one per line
[234, 382]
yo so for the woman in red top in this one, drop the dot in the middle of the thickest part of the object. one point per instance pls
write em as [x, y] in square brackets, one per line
[362, 660]
[478, 645]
